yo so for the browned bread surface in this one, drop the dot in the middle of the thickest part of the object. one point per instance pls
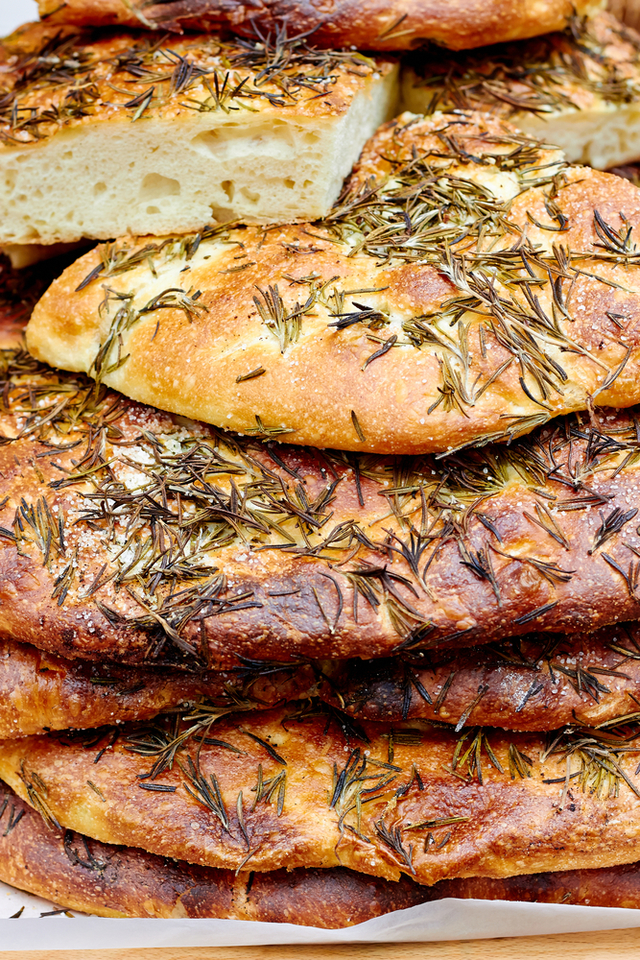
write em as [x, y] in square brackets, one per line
[609, 887]
[537, 683]
[590, 60]
[107, 880]
[367, 24]
[303, 787]
[40, 691]
[111, 881]
[578, 89]
[472, 291]
[105, 133]
[127, 534]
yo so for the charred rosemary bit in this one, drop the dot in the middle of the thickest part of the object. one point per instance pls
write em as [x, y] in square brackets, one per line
[356, 426]
[15, 816]
[267, 746]
[482, 689]
[37, 794]
[88, 861]
[206, 792]
[439, 822]
[392, 838]
[611, 526]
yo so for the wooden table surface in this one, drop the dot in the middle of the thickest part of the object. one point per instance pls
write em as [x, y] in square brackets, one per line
[621, 944]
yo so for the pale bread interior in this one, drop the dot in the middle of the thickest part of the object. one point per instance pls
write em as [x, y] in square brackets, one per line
[110, 178]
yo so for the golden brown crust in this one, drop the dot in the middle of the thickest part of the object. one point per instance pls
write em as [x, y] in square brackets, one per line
[611, 887]
[40, 691]
[369, 25]
[115, 68]
[593, 62]
[117, 132]
[98, 878]
[294, 788]
[83, 874]
[537, 683]
[310, 554]
[471, 322]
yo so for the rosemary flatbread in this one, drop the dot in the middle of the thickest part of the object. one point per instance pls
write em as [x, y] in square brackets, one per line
[106, 134]
[40, 691]
[366, 24]
[539, 682]
[110, 881]
[130, 535]
[300, 787]
[107, 880]
[534, 683]
[579, 89]
[468, 286]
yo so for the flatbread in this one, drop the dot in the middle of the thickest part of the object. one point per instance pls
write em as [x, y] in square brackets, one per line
[534, 683]
[476, 287]
[540, 682]
[273, 552]
[40, 691]
[303, 787]
[579, 89]
[104, 134]
[107, 880]
[111, 881]
[368, 25]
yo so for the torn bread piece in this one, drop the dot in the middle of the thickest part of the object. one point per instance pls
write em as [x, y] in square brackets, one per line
[130, 535]
[111, 881]
[366, 24]
[298, 787]
[468, 286]
[579, 89]
[108, 134]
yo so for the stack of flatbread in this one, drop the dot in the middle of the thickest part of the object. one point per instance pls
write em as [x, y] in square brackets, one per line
[319, 497]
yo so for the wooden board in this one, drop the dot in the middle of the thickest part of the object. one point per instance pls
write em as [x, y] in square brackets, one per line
[618, 944]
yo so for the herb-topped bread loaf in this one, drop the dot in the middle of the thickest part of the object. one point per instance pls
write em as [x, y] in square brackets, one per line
[128, 534]
[302, 787]
[579, 89]
[365, 24]
[467, 286]
[538, 682]
[114, 881]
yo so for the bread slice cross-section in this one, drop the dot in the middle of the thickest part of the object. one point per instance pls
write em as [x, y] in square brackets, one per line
[103, 134]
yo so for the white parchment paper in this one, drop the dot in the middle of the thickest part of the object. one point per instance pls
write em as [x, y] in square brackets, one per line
[442, 920]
